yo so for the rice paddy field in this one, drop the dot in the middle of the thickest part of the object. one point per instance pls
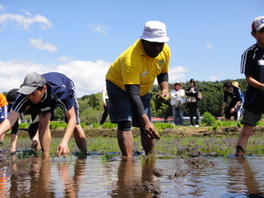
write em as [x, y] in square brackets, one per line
[186, 164]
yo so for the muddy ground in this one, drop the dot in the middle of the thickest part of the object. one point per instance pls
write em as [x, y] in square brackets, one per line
[200, 131]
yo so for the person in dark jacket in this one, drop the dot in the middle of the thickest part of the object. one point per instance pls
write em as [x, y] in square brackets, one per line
[193, 103]
[234, 108]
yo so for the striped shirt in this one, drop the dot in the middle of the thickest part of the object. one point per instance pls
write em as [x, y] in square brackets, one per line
[252, 64]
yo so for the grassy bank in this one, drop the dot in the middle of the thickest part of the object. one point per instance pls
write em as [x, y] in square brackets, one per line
[169, 145]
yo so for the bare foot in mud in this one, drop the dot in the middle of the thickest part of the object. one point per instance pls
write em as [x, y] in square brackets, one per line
[12, 153]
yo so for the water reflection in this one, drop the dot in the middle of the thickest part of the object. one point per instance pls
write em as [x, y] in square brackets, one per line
[71, 179]
[34, 177]
[135, 179]
[93, 177]
[242, 178]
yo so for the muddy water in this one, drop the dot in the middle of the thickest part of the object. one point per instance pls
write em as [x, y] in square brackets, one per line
[140, 177]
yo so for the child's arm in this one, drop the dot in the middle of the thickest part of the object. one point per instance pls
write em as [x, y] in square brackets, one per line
[254, 83]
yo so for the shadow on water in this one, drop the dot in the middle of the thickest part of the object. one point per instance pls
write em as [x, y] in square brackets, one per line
[141, 177]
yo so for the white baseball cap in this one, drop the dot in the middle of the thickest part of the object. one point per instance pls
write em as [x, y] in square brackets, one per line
[258, 23]
[155, 31]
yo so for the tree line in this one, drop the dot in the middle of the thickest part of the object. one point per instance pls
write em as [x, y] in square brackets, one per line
[91, 106]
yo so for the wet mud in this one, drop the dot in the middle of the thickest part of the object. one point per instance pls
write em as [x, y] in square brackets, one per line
[101, 132]
[190, 173]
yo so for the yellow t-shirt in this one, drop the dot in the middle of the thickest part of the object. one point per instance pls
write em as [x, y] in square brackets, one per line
[134, 66]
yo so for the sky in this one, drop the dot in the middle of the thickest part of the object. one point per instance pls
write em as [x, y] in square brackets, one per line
[82, 38]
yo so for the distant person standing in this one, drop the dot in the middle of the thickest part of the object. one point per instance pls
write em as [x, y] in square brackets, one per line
[129, 80]
[193, 103]
[252, 65]
[234, 108]
[177, 102]
[105, 103]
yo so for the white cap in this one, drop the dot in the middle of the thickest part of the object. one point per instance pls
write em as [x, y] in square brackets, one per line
[155, 31]
[258, 23]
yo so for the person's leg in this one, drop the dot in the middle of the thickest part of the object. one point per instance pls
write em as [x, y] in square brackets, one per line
[174, 114]
[227, 113]
[120, 113]
[197, 113]
[125, 141]
[14, 137]
[80, 138]
[249, 121]
[44, 133]
[235, 116]
[33, 132]
[191, 112]
[105, 114]
[2, 138]
[245, 133]
[180, 116]
[177, 115]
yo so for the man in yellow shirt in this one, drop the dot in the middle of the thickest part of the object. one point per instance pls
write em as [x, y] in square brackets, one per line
[129, 80]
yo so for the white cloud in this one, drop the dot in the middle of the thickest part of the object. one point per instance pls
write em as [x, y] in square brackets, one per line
[41, 45]
[24, 22]
[88, 76]
[2, 8]
[99, 28]
[209, 46]
[64, 58]
[177, 74]
[25, 12]
[216, 77]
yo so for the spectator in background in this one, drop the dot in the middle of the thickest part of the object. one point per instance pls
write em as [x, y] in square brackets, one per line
[105, 103]
[3, 113]
[177, 102]
[193, 103]
[234, 108]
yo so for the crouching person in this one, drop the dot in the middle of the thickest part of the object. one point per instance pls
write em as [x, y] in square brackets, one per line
[44, 93]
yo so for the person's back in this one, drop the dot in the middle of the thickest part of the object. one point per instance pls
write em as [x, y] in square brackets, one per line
[3, 107]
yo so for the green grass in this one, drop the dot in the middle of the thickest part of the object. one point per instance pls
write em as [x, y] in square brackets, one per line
[170, 145]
